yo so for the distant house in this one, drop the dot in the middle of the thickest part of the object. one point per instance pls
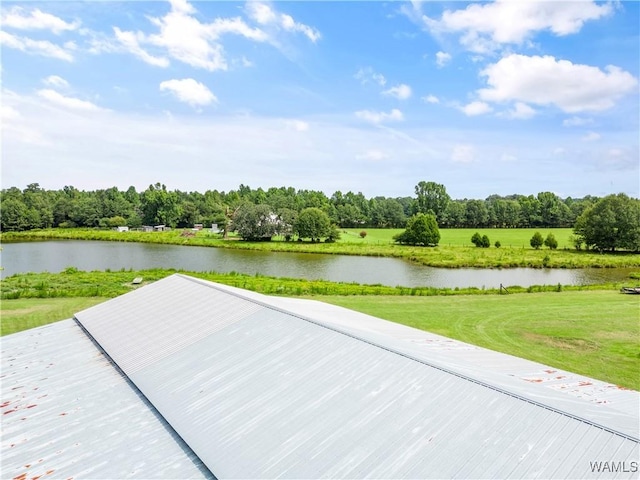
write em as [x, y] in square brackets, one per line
[147, 228]
[161, 228]
[184, 378]
[122, 229]
[198, 226]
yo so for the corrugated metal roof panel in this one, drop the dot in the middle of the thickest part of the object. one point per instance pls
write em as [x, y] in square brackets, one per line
[262, 393]
[67, 413]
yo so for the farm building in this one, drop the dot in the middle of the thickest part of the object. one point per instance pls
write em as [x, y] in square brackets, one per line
[185, 378]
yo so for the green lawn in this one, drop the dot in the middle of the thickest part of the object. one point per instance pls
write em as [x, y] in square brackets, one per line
[509, 237]
[25, 313]
[592, 333]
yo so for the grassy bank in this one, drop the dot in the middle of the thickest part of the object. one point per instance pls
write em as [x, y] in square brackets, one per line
[454, 250]
[75, 283]
[593, 333]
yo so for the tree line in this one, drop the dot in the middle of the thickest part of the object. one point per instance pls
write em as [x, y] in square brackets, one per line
[35, 207]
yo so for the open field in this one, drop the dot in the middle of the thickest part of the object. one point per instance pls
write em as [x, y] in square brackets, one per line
[594, 333]
[452, 252]
[22, 314]
[461, 237]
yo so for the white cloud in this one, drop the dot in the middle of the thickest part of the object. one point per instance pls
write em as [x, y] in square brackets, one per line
[184, 38]
[297, 125]
[394, 115]
[547, 81]
[476, 108]
[55, 81]
[189, 91]
[367, 74]
[401, 92]
[8, 113]
[431, 99]
[576, 122]
[35, 47]
[508, 158]
[264, 15]
[485, 27]
[372, 155]
[130, 42]
[68, 102]
[591, 137]
[17, 18]
[463, 154]
[521, 111]
[442, 58]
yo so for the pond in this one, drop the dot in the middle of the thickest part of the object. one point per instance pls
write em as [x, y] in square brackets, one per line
[55, 256]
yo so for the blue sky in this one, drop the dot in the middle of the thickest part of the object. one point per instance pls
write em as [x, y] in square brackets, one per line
[493, 97]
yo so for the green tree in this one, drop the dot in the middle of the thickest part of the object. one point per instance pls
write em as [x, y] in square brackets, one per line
[312, 223]
[613, 222]
[287, 219]
[486, 243]
[422, 229]
[477, 214]
[255, 222]
[14, 215]
[536, 241]
[551, 242]
[160, 206]
[432, 198]
[455, 214]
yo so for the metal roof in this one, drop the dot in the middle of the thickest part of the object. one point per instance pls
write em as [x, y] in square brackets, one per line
[258, 391]
[66, 412]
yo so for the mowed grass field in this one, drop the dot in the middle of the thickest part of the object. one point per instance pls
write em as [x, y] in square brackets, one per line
[24, 313]
[593, 333]
[508, 237]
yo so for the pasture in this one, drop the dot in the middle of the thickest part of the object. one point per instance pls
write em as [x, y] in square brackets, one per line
[461, 237]
[593, 333]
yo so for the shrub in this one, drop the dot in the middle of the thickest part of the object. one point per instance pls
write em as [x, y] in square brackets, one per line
[476, 239]
[498, 244]
[486, 243]
[551, 242]
[536, 241]
[363, 234]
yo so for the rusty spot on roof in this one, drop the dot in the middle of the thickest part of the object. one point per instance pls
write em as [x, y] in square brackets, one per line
[4, 404]
[49, 472]
[31, 406]
[10, 411]
[20, 477]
